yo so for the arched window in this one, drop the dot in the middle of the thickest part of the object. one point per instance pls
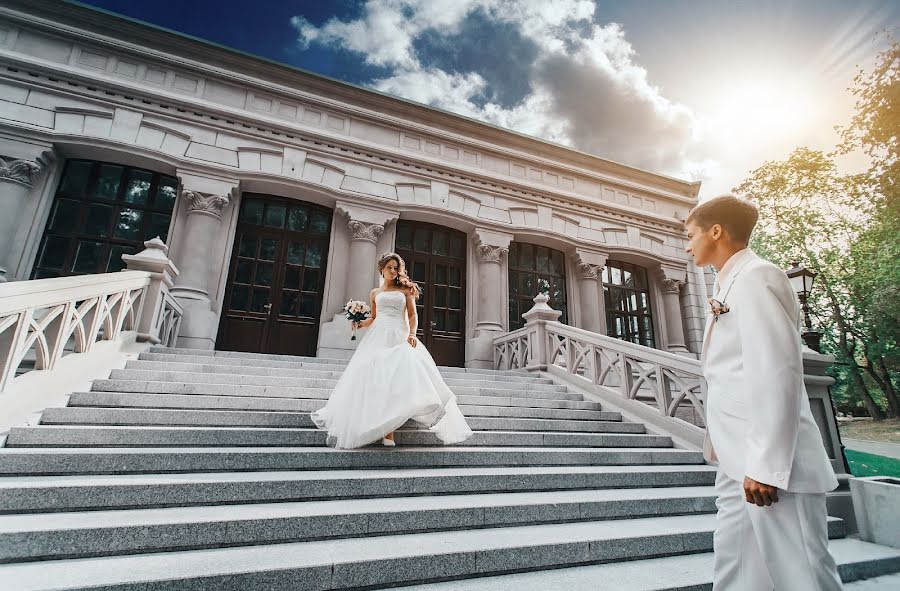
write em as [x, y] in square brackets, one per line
[102, 211]
[629, 314]
[535, 269]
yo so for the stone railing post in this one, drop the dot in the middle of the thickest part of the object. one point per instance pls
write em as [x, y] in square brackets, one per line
[536, 321]
[17, 179]
[818, 390]
[163, 272]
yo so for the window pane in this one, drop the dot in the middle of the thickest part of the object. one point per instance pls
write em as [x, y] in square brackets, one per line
[605, 275]
[526, 256]
[440, 297]
[453, 321]
[166, 193]
[513, 312]
[53, 254]
[108, 182]
[440, 277]
[275, 216]
[542, 257]
[311, 280]
[422, 236]
[645, 302]
[543, 285]
[253, 211]
[65, 215]
[244, 271]
[297, 219]
[159, 226]
[457, 246]
[528, 286]
[129, 224]
[320, 222]
[455, 298]
[76, 178]
[267, 249]
[439, 320]
[114, 262]
[87, 257]
[557, 263]
[260, 299]
[289, 302]
[404, 237]
[264, 273]
[248, 247]
[313, 255]
[308, 305]
[295, 253]
[627, 277]
[513, 284]
[292, 278]
[455, 277]
[138, 188]
[418, 272]
[439, 243]
[98, 220]
[559, 291]
[240, 294]
[632, 302]
[641, 278]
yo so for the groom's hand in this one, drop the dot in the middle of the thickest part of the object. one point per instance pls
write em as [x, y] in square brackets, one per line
[758, 493]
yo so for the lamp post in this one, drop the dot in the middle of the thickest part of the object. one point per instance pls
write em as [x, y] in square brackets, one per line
[801, 280]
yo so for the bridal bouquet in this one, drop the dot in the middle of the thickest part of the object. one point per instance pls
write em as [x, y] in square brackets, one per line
[356, 311]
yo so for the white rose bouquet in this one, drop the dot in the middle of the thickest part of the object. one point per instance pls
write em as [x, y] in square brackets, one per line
[356, 311]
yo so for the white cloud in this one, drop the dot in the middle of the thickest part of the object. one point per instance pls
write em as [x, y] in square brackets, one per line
[586, 89]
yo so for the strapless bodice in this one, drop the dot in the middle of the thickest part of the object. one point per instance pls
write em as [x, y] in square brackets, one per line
[390, 304]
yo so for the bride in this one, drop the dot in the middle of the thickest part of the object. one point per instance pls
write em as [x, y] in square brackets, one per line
[391, 377]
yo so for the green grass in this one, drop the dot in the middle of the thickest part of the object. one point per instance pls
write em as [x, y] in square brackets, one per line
[863, 464]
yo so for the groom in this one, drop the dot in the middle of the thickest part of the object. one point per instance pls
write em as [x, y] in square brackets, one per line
[771, 526]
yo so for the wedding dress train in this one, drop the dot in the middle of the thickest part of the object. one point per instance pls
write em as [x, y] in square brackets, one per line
[386, 383]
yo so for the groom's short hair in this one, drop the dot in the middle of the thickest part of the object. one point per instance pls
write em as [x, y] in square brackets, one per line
[737, 216]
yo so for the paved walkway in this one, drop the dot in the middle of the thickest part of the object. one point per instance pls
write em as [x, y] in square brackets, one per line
[879, 448]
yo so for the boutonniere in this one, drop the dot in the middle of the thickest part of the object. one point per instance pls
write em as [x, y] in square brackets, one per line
[717, 308]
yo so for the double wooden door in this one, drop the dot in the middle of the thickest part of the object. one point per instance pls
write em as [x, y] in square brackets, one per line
[273, 297]
[435, 257]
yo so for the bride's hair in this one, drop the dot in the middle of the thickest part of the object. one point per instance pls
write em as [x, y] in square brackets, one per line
[402, 280]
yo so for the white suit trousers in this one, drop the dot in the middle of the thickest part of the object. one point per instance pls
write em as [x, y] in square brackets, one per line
[782, 547]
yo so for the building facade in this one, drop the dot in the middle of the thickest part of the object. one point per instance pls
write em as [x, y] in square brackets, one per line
[276, 191]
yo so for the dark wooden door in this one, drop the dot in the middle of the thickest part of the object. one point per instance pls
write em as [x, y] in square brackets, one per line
[273, 297]
[436, 259]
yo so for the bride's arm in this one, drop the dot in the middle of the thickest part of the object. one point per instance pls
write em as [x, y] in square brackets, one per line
[413, 318]
[368, 321]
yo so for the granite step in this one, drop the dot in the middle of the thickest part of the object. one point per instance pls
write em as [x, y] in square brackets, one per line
[87, 492]
[232, 418]
[30, 536]
[200, 366]
[104, 460]
[488, 407]
[165, 387]
[165, 436]
[856, 560]
[391, 559]
[304, 382]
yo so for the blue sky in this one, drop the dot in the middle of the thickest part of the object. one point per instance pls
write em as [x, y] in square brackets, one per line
[698, 89]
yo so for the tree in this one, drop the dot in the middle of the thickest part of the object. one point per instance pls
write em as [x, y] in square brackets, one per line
[846, 227]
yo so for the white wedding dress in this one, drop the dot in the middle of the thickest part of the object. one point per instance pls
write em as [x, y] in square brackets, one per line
[388, 382]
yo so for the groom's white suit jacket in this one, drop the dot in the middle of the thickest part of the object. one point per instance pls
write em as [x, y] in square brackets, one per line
[759, 422]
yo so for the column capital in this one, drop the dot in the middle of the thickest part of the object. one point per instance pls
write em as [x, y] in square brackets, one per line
[19, 171]
[488, 253]
[588, 271]
[671, 285]
[369, 232]
[205, 203]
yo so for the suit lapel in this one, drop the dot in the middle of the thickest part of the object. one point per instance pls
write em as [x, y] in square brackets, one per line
[721, 294]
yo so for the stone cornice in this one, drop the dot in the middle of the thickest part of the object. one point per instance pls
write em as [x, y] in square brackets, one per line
[91, 26]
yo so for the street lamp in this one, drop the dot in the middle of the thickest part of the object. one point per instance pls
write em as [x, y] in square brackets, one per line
[801, 280]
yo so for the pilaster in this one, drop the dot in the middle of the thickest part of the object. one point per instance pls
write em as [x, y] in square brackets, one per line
[491, 248]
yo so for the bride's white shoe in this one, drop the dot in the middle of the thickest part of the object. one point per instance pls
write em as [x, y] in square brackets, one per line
[388, 442]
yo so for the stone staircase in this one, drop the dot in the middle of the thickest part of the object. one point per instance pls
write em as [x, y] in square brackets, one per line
[199, 470]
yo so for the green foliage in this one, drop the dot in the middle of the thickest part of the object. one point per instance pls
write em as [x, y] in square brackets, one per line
[847, 228]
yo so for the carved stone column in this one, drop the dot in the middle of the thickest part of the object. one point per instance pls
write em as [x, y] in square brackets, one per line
[491, 249]
[670, 288]
[588, 284]
[590, 267]
[363, 258]
[198, 258]
[17, 178]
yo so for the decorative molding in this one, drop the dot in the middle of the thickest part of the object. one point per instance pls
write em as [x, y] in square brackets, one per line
[587, 271]
[671, 285]
[205, 203]
[365, 231]
[488, 253]
[23, 172]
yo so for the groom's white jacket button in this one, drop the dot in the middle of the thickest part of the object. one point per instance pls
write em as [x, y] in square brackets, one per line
[779, 476]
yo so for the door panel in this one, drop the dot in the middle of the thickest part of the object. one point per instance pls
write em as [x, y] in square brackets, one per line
[435, 259]
[274, 294]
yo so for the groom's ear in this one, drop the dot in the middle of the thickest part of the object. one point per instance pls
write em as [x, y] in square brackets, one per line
[716, 232]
